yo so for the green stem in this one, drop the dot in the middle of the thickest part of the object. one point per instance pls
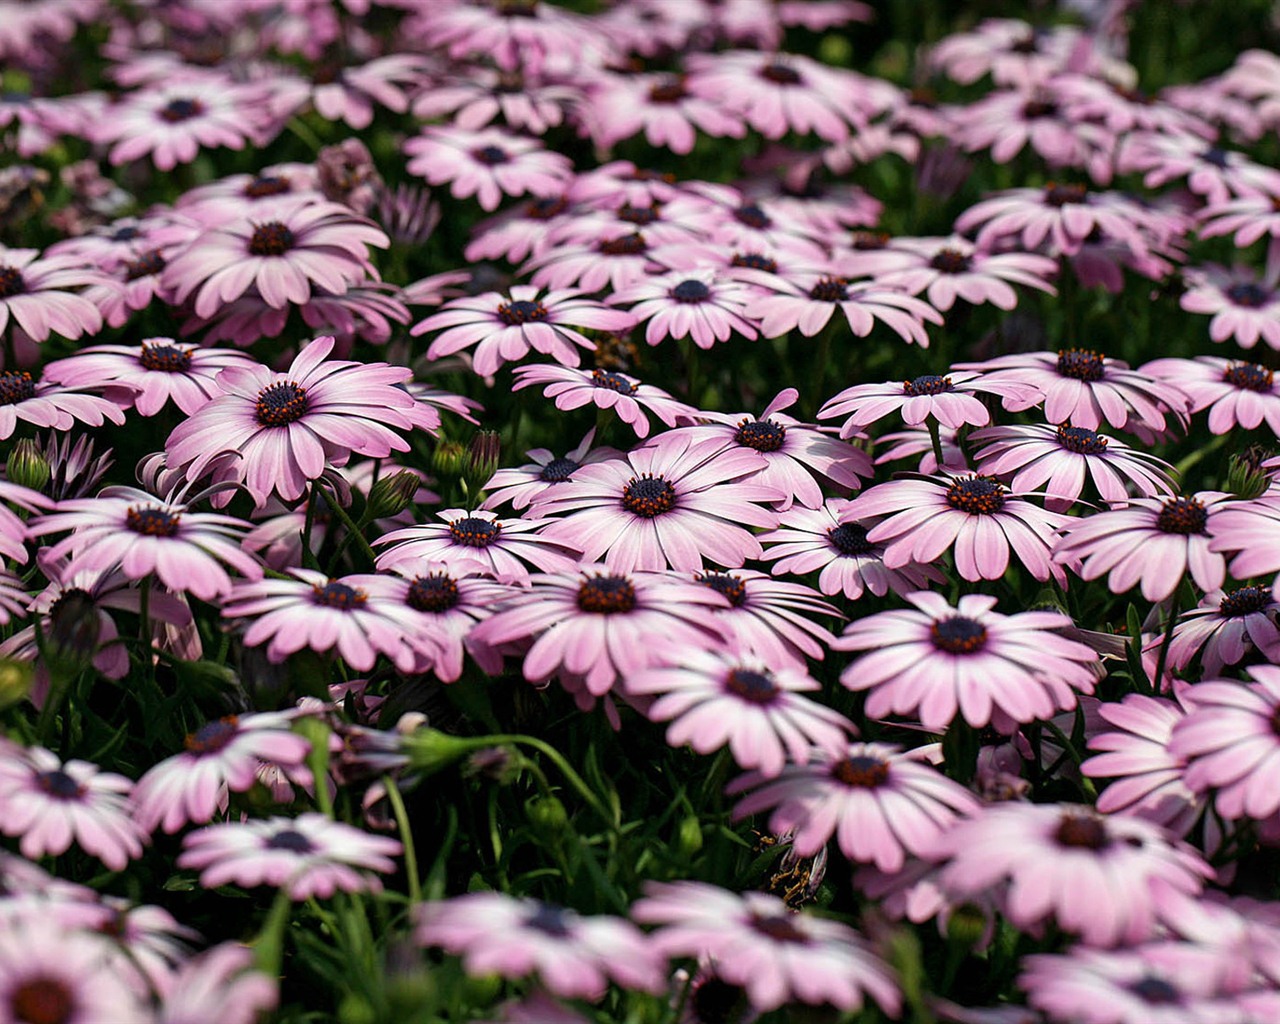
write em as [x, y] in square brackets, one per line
[269, 951]
[1175, 602]
[574, 779]
[308, 558]
[396, 799]
[354, 530]
[935, 436]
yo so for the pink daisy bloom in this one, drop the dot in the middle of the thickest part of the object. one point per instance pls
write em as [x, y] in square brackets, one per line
[915, 443]
[479, 541]
[938, 660]
[574, 956]
[1243, 308]
[1007, 121]
[807, 300]
[131, 530]
[628, 396]
[522, 486]
[946, 269]
[1215, 174]
[675, 502]
[1237, 394]
[881, 805]
[282, 250]
[735, 698]
[157, 371]
[351, 94]
[759, 943]
[688, 303]
[973, 516]
[1247, 529]
[1231, 745]
[1015, 53]
[601, 626]
[523, 36]
[1043, 856]
[1227, 627]
[830, 539]
[770, 616]
[1058, 460]
[219, 984]
[309, 856]
[659, 105]
[286, 428]
[50, 805]
[487, 164]
[617, 258]
[221, 755]
[1247, 219]
[1154, 541]
[36, 294]
[951, 400]
[527, 103]
[43, 403]
[48, 973]
[504, 328]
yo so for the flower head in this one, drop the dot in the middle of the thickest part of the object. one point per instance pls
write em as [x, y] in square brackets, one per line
[37, 294]
[628, 396]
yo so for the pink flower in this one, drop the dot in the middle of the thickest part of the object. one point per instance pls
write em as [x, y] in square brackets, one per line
[1217, 175]
[937, 661]
[687, 303]
[879, 804]
[660, 105]
[36, 294]
[1235, 393]
[521, 486]
[1226, 628]
[628, 396]
[769, 616]
[486, 95]
[46, 969]
[1007, 121]
[351, 94]
[946, 269]
[487, 164]
[1248, 219]
[309, 856]
[807, 300]
[46, 404]
[525, 37]
[951, 400]
[1015, 53]
[220, 984]
[1243, 308]
[1247, 529]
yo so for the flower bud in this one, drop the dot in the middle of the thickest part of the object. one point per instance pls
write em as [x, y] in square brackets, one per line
[967, 926]
[1245, 476]
[548, 816]
[73, 630]
[448, 460]
[430, 750]
[482, 460]
[688, 836]
[391, 495]
[27, 465]
[15, 681]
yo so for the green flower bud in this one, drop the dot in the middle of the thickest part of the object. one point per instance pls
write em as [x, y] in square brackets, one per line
[1245, 477]
[448, 460]
[688, 838]
[430, 750]
[391, 495]
[967, 925]
[27, 465]
[15, 681]
[548, 816]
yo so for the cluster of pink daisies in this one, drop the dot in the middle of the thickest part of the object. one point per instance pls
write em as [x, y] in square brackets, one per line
[530, 514]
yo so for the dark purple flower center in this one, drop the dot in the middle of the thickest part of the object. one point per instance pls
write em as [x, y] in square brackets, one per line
[753, 217]
[146, 265]
[1155, 991]
[474, 532]
[1039, 108]
[490, 156]
[1248, 376]
[638, 215]
[870, 241]
[521, 312]
[281, 404]
[669, 90]
[1060, 195]
[762, 435]
[213, 736]
[1082, 831]
[729, 586]
[181, 110]
[830, 289]
[927, 384]
[755, 261]
[752, 687]
[1244, 601]
[715, 1001]
[1081, 440]
[1028, 44]
[546, 207]
[16, 386]
[958, 635]
[152, 522]
[1216, 156]
[165, 358]
[550, 920]
[516, 8]
[271, 239]
[627, 245]
[951, 261]
[613, 382]
[849, 539]
[267, 185]
[606, 595]
[861, 772]
[42, 999]
[338, 595]
[1186, 516]
[1081, 364]
[557, 471]
[125, 233]
[780, 928]
[59, 785]
[648, 496]
[290, 840]
[780, 74]
[436, 592]
[976, 495]
[1248, 294]
[691, 292]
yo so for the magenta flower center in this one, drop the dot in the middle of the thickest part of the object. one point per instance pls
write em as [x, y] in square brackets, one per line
[958, 635]
[951, 261]
[546, 207]
[1081, 364]
[762, 435]
[861, 772]
[779, 927]
[1081, 440]
[638, 215]
[691, 292]
[550, 920]
[849, 539]
[1245, 601]
[474, 532]
[1248, 295]
[59, 785]
[1082, 832]
[606, 595]
[557, 471]
[490, 156]
[754, 261]
[292, 841]
[780, 74]
[281, 404]
[1039, 108]
[165, 358]
[1185, 516]
[729, 586]
[976, 495]
[1248, 376]
[181, 110]
[151, 521]
[870, 241]
[926, 384]
[16, 386]
[43, 1000]
[436, 592]
[146, 265]
[1061, 195]
[521, 312]
[648, 496]
[753, 217]
[613, 382]
[829, 289]
[266, 185]
[212, 736]
[1155, 991]
[669, 90]
[627, 245]
[271, 239]
[752, 687]
[338, 595]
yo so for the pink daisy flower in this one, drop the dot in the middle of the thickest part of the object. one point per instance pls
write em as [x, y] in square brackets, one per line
[529, 103]
[524, 36]
[521, 486]
[50, 805]
[1015, 53]
[659, 105]
[1247, 529]
[973, 516]
[309, 856]
[352, 94]
[1215, 174]
[946, 269]
[222, 755]
[286, 428]
[757, 942]
[937, 660]
[1243, 308]
[505, 328]
[1227, 627]
[1247, 219]
[688, 303]
[574, 956]
[674, 502]
[1043, 856]
[735, 698]
[916, 444]
[48, 973]
[951, 400]
[1154, 541]
[219, 984]
[881, 805]
[770, 616]
[628, 396]
[1007, 121]
[36, 294]
[487, 164]
[830, 540]
[1237, 394]
[807, 300]
[43, 403]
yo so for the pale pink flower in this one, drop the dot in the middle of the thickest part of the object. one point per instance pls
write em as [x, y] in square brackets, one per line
[947, 269]
[219, 984]
[37, 294]
[951, 400]
[1215, 174]
[487, 164]
[521, 486]
[688, 303]
[659, 105]
[1227, 627]
[43, 403]
[628, 396]
[807, 300]
[1236, 393]
[1244, 309]
[51, 973]
[770, 616]
[527, 37]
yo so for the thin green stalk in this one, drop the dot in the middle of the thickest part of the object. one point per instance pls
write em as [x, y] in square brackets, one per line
[269, 945]
[353, 530]
[396, 799]
[935, 437]
[1175, 603]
